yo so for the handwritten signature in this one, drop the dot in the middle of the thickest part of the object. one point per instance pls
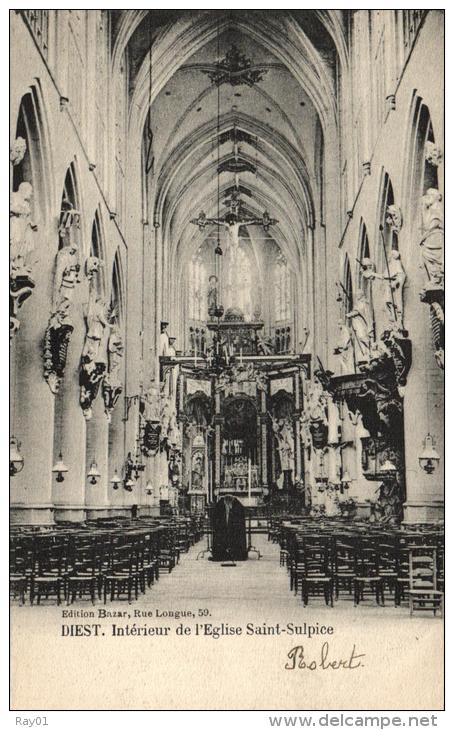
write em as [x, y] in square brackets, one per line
[299, 660]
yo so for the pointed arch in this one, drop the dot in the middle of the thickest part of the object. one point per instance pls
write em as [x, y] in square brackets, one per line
[36, 165]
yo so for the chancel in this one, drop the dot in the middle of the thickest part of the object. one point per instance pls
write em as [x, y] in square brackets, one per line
[227, 305]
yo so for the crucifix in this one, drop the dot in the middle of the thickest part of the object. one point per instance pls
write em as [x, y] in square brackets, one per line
[233, 220]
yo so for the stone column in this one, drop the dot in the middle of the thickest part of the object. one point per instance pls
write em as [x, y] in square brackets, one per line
[97, 495]
[70, 436]
[32, 417]
[296, 420]
[423, 414]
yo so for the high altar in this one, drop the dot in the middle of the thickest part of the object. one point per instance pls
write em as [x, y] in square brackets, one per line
[239, 411]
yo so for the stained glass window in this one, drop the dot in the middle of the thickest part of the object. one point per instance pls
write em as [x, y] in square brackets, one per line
[198, 279]
[281, 290]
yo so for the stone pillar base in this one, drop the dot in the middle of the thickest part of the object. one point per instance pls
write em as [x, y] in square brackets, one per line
[33, 514]
[95, 512]
[423, 511]
[69, 513]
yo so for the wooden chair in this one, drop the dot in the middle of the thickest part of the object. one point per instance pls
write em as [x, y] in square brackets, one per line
[51, 571]
[367, 573]
[86, 570]
[317, 573]
[122, 576]
[423, 593]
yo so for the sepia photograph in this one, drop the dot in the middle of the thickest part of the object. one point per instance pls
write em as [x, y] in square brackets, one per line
[226, 342]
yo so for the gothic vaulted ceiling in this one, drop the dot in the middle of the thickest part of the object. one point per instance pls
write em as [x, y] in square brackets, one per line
[236, 99]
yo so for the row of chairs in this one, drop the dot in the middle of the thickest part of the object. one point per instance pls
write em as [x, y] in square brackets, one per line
[408, 566]
[106, 559]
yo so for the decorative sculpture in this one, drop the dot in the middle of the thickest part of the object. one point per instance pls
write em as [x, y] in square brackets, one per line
[362, 325]
[22, 230]
[112, 385]
[316, 408]
[432, 242]
[213, 297]
[150, 411]
[66, 274]
[283, 432]
[344, 348]
[56, 341]
[434, 154]
[394, 218]
[394, 291]
[235, 69]
[94, 354]
[17, 151]
[232, 222]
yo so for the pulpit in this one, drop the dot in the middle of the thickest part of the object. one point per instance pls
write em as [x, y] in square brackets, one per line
[228, 526]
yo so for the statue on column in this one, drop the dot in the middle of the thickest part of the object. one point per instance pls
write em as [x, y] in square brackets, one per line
[344, 348]
[22, 244]
[60, 326]
[99, 322]
[283, 432]
[151, 415]
[22, 230]
[17, 151]
[362, 325]
[394, 291]
[66, 277]
[432, 241]
[212, 297]
[164, 340]
[112, 385]
[56, 342]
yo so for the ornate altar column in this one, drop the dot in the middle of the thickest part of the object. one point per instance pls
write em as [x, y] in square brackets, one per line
[297, 435]
[263, 440]
[218, 421]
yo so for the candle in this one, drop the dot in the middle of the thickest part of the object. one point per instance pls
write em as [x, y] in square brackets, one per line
[241, 355]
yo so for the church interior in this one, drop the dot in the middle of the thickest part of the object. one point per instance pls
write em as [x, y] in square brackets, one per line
[227, 304]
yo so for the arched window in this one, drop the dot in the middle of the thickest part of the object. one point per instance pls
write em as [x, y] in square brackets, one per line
[282, 284]
[198, 278]
[96, 249]
[238, 283]
[347, 299]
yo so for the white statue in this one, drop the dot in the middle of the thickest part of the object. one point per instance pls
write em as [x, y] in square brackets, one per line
[316, 402]
[92, 266]
[66, 274]
[283, 431]
[17, 151]
[362, 325]
[344, 348]
[394, 291]
[394, 218]
[115, 349]
[164, 340]
[432, 242]
[22, 228]
[97, 321]
[434, 154]
[151, 411]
